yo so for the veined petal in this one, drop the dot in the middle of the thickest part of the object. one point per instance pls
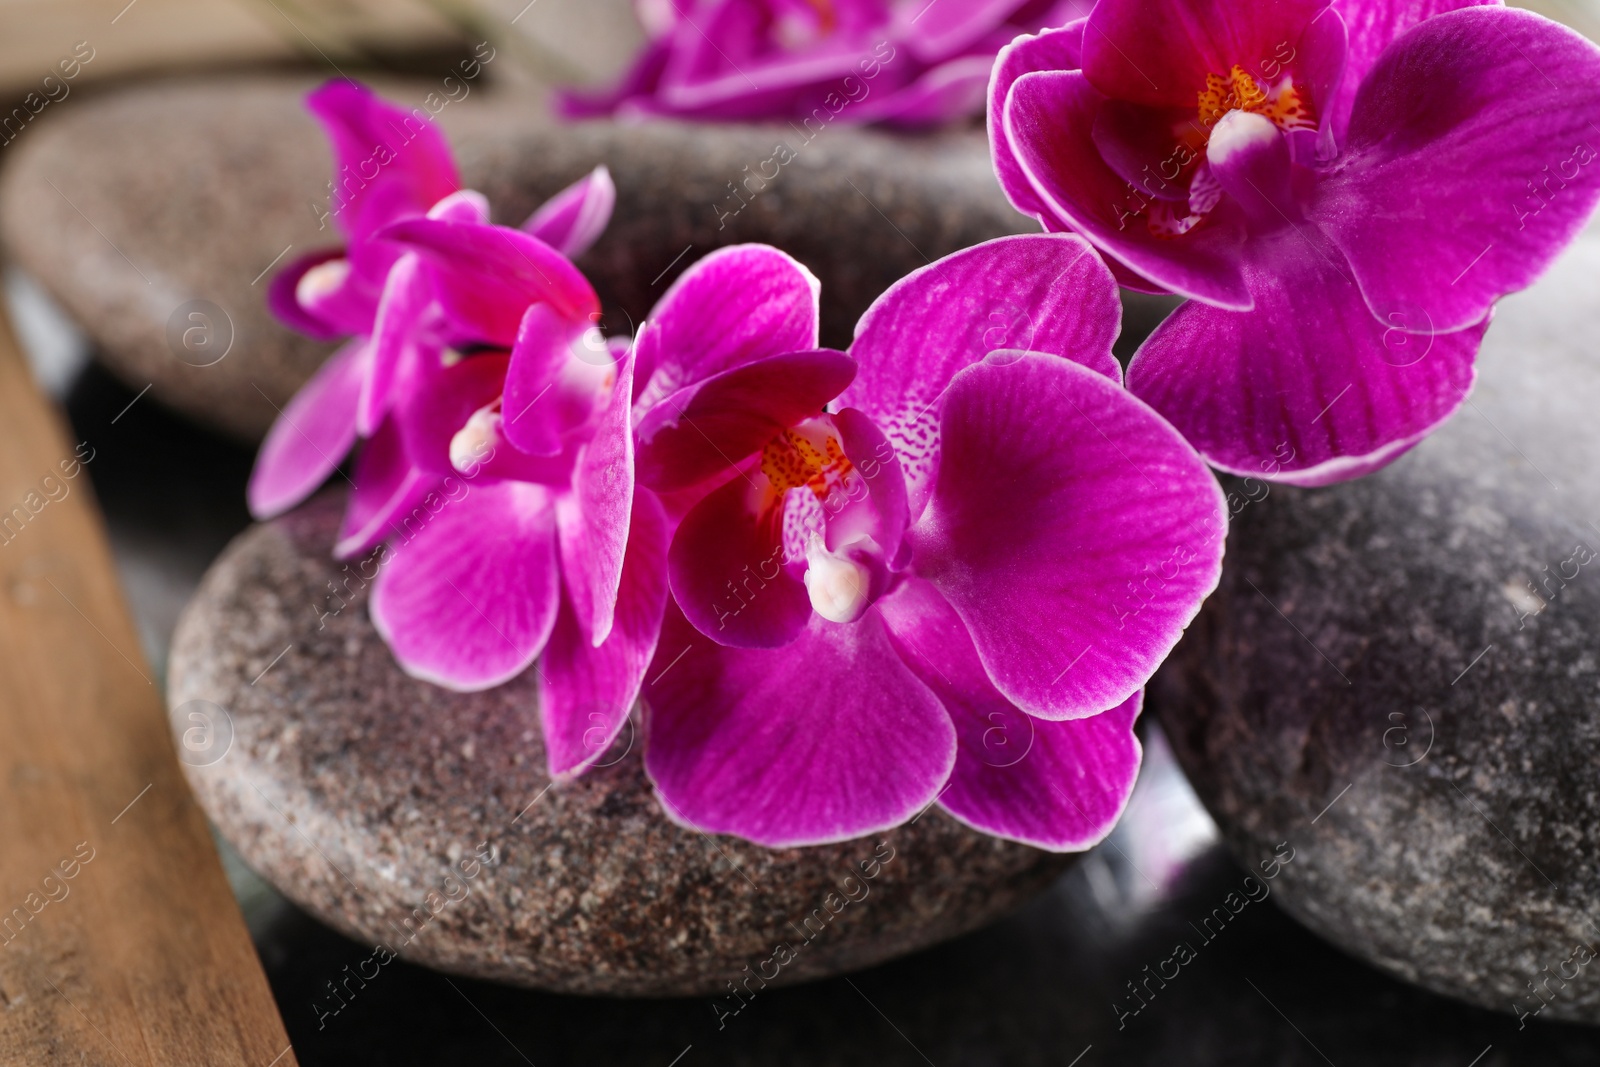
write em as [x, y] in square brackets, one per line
[410, 162]
[1160, 54]
[1372, 26]
[593, 519]
[486, 276]
[726, 567]
[574, 218]
[1060, 49]
[737, 305]
[1065, 794]
[1049, 122]
[825, 740]
[1055, 785]
[1452, 190]
[1073, 531]
[1309, 388]
[1039, 292]
[310, 436]
[586, 692]
[470, 600]
[707, 427]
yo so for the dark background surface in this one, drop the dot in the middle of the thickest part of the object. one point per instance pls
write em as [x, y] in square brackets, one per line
[1043, 987]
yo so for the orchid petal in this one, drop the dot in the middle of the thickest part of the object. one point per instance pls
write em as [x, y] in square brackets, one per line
[1040, 292]
[387, 491]
[826, 740]
[430, 418]
[1322, 68]
[585, 691]
[593, 519]
[726, 567]
[1371, 26]
[1453, 191]
[486, 276]
[470, 601]
[941, 30]
[1060, 49]
[285, 305]
[1160, 54]
[396, 339]
[950, 90]
[339, 294]
[882, 513]
[1065, 794]
[639, 80]
[1077, 551]
[412, 163]
[463, 205]
[737, 305]
[706, 428]
[1055, 785]
[1308, 388]
[574, 218]
[542, 350]
[311, 435]
[706, 72]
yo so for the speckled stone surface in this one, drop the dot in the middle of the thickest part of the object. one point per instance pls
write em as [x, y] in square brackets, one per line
[1376, 683]
[132, 205]
[365, 796]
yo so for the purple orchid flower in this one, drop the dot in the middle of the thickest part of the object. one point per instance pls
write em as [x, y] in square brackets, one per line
[940, 567]
[905, 62]
[390, 164]
[505, 532]
[500, 483]
[1342, 190]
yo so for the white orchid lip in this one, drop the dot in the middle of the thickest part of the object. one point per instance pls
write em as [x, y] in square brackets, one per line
[840, 588]
[321, 282]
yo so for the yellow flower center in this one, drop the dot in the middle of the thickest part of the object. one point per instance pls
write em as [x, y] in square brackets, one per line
[1239, 91]
[812, 459]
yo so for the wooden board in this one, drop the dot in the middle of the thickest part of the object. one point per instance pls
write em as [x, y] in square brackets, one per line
[120, 942]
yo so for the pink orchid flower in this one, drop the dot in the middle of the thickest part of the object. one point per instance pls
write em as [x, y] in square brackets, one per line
[510, 403]
[937, 568]
[1343, 190]
[390, 164]
[906, 62]
[503, 537]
